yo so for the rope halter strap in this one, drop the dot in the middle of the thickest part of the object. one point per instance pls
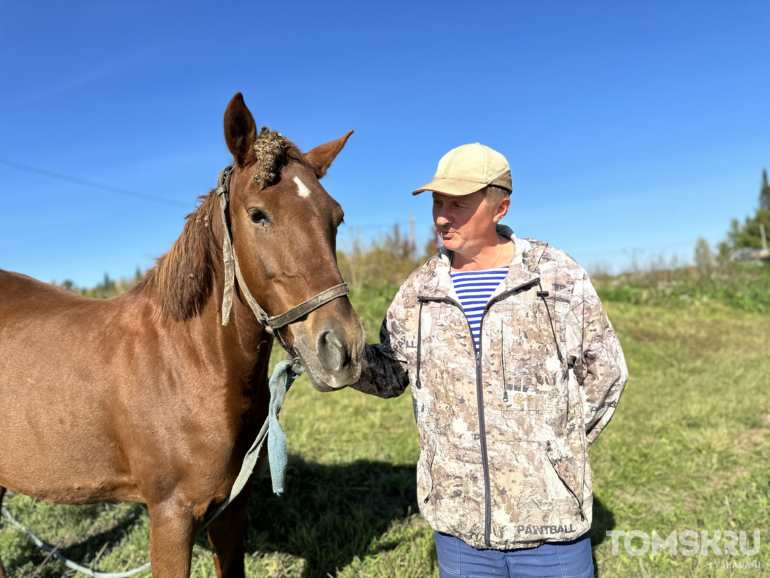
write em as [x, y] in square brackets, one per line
[233, 272]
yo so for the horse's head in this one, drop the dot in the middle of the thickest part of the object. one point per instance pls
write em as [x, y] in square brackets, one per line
[284, 228]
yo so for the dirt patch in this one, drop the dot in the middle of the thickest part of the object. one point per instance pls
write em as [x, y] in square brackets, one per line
[646, 335]
[752, 438]
[757, 436]
[702, 343]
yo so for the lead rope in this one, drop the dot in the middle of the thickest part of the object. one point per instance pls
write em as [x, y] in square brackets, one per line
[283, 376]
[66, 561]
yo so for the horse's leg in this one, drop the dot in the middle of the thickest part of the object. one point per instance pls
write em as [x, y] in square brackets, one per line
[172, 535]
[226, 535]
[2, 570]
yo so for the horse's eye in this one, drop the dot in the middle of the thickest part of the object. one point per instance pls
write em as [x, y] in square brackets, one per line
[258, 217]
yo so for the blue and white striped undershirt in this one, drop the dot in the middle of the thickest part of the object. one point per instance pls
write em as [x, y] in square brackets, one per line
[474, 288]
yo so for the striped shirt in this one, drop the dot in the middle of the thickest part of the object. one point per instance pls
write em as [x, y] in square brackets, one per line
[474, 288]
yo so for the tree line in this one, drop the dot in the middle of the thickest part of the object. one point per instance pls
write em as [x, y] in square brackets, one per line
[748, 234]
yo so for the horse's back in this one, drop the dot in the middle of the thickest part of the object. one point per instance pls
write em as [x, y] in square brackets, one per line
[38, 318]
[23, 297]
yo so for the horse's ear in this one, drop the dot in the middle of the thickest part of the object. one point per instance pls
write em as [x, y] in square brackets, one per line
[240, 130]
[322, 156]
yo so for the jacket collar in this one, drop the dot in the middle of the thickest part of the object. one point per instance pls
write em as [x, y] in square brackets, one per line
[437, 283]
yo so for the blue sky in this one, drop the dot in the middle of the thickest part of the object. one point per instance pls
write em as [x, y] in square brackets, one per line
[632, 128]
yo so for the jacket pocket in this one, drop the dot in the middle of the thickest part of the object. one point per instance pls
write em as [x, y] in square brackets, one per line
[425, 484]
[530, 348]
[571, 472]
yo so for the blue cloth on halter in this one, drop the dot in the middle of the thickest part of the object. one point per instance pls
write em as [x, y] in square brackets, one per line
[280, 382]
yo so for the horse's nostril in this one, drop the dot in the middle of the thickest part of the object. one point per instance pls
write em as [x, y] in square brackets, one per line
[331, 351]
[333, 340]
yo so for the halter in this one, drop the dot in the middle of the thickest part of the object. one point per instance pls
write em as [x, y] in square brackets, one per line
[233, 271]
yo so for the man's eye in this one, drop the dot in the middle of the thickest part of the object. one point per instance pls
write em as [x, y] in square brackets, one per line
[258, 217]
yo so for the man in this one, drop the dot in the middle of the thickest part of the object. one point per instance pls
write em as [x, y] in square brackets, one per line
[515, 370]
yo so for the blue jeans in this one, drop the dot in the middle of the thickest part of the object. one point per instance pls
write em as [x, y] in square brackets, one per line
[456, 559]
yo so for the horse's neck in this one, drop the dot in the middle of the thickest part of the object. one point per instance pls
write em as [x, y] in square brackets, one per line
[240, 349]
[247, 343]
[243, 342]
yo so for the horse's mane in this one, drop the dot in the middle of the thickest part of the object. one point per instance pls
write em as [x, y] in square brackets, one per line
[272, 151]
[183, 277]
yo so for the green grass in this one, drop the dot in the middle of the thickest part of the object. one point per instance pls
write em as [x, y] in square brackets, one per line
[688, 449]
[688, 446]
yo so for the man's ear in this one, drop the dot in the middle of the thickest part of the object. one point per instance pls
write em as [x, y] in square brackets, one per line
[240, 130]
[502, 209]
[322, 156]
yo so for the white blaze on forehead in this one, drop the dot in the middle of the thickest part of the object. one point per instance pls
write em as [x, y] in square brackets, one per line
[303, 190]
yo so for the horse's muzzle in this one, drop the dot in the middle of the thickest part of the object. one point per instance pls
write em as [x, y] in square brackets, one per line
[332, 357]
[339, 355]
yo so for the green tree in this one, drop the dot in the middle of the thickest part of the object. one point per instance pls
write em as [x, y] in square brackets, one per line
[704, 258]
[764, 195]
[748, 234]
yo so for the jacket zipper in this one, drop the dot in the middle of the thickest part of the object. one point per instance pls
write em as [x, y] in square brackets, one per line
[480, 399]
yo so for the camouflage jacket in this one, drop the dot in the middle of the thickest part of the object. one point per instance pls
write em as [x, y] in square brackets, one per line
[503, 432]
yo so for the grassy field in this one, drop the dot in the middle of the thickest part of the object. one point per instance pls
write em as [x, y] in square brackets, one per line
[688, 449]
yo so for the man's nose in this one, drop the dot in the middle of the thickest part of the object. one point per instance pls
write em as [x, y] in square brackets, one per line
[442, 220]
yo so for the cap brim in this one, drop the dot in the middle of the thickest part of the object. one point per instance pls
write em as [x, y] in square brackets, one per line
[452, 187]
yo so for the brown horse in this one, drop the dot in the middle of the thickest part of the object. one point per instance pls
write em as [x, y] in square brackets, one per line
[146, 397]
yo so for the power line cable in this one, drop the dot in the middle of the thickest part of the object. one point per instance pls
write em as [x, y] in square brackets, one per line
[93, 184]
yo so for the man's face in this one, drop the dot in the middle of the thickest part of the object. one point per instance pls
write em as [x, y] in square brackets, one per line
[463, 222]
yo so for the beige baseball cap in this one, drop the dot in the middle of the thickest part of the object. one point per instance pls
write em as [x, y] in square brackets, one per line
[467, 169]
